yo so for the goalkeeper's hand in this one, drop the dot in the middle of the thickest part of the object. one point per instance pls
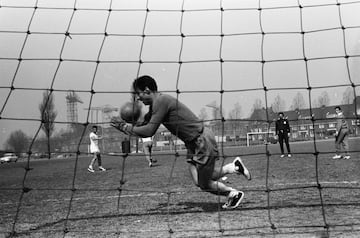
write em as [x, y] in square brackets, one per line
[121, 125]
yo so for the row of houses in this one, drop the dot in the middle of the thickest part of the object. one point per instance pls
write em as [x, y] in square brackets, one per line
[305, 123]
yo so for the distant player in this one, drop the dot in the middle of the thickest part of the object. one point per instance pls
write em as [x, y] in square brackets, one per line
[147, 144]
[202, 151]
[94, 149]
[282, 129]
[341, 135]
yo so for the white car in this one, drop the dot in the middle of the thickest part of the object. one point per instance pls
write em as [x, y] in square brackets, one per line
[8, 157]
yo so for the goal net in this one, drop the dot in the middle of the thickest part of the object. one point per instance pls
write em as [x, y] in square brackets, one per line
[67, 65]
[257, 138]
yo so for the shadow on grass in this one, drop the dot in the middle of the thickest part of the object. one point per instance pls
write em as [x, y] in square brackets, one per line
[186, 207]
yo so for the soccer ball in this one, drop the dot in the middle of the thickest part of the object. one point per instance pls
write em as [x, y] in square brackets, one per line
[130, 112]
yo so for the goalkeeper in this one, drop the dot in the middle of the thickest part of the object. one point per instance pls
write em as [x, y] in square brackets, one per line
[202, 151]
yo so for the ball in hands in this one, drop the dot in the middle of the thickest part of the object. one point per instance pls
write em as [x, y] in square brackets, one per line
[130, 112]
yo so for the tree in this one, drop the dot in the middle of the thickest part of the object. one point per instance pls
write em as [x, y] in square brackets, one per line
[298, 102]
[278, 105]
[348, 96]
[256, 111]
[47, 115]
[323, 99]
[235, 113]
[17, 141]
[257, 104]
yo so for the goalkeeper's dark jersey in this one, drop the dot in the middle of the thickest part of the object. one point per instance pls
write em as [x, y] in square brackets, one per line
[176, 117]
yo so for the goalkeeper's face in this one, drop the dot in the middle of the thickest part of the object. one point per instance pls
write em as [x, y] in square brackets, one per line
[146, 96]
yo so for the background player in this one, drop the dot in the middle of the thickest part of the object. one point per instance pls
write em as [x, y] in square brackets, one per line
[282, 129]
[147, 144]
[341, 135]
[202, 151]
[94, 149]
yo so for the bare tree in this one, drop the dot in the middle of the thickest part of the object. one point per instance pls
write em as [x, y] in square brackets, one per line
[323, 99]
[348, 96]
[17, 141]
[257, 104]
[235, 113]
[298, 102]
[278, 105]
[47, 115]
[256, 110]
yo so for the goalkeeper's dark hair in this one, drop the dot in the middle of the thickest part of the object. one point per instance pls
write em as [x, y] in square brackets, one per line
[144, 82]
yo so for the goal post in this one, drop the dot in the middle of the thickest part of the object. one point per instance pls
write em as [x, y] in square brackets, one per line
[259, 137]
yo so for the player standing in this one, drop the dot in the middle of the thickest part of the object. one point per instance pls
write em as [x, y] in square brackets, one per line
[341, 135]
[94, 149]
[282, 128]
[147, 144]
[202, 151]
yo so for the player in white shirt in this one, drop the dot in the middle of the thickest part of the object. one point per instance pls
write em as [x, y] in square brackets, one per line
[94, 149]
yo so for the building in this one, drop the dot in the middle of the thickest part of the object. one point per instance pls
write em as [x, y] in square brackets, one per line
[307, 123]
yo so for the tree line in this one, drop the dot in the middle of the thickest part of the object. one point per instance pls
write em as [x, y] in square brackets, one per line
[278, 105]
[18, 142]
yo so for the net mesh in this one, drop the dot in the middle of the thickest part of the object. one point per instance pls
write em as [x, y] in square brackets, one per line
[96, 48]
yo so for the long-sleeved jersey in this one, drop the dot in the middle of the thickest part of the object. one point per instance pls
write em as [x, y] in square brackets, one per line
[341, 122]
[282, 126]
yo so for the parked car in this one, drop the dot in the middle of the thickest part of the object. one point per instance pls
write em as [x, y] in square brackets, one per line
[8, 157]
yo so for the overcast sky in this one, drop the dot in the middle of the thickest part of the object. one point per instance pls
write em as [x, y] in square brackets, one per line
[200, 77]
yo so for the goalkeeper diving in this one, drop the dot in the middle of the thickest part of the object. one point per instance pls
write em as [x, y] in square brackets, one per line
[202, 150]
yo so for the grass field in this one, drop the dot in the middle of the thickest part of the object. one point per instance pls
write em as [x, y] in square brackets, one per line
[308, 195]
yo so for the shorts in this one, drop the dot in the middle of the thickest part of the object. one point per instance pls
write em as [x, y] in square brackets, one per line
[148, 144]
[203, 149]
